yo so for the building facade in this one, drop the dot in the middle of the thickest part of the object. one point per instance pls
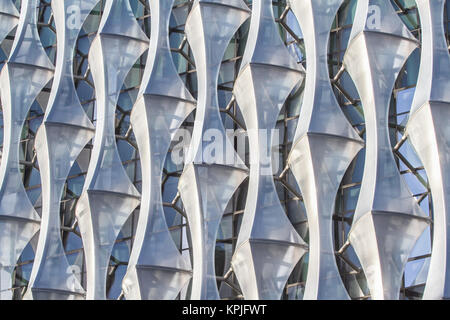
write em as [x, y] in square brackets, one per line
[224, 149]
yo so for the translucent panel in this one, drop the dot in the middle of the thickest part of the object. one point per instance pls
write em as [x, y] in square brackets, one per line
[21, 79]
[156, 269]
[214, 170]
[324, 145]
[319, 163]
[429, 133]
[264, 266]
[206, 191]
[108, 196]
[379, 16]
[383, 242]
[208, 45]
[64, 133]
[387, 220]
[9, 17]
[268, 246]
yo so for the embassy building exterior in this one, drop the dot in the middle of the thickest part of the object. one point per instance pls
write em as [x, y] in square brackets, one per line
[225, 149]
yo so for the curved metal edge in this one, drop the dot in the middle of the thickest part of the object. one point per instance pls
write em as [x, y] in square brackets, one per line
[9, 18]
[108, 196]
[22, 78]
[163, 105]
[429, 134]
[382, 243]
[58, 145]
[209, 29]
[260, 99]
[205, 192]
